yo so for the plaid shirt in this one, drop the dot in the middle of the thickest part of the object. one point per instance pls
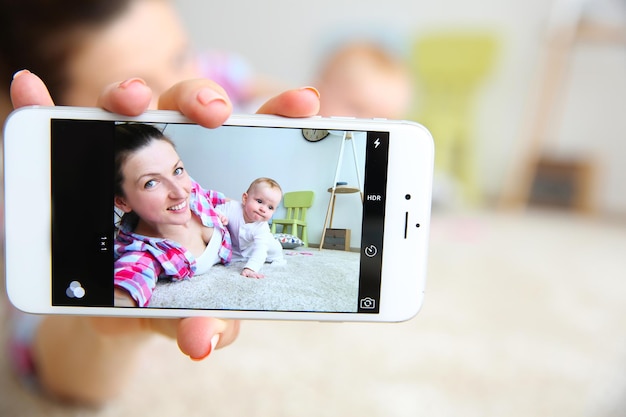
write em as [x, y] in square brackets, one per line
[140, 260]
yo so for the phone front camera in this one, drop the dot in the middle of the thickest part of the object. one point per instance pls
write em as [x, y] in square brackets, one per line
[408, 196]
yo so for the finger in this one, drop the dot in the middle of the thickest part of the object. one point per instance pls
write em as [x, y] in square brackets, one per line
[125, 325]
[131, 97]
[230, 334]
[27, 89]
[201, 100]
[303, 102]
[198, 336]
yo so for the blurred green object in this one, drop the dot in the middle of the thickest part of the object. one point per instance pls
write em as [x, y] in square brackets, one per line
[449, 68]
[296, 203]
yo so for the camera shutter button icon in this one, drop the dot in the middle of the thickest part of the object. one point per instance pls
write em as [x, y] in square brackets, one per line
[367, 303]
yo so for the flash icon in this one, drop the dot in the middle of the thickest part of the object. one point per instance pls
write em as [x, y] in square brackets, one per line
[376, 143]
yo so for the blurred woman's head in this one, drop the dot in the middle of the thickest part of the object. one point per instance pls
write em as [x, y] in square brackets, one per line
[79, 46]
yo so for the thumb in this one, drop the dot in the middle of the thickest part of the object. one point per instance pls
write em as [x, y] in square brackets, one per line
[27, 89]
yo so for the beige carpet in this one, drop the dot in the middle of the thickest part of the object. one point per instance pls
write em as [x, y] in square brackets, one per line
[307, 279]
[524, 316]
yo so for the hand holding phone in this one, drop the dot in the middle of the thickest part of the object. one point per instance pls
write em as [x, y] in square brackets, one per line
[379, 296]
[193, 333]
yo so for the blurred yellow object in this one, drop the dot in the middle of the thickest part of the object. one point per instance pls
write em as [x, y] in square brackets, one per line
[449, 67]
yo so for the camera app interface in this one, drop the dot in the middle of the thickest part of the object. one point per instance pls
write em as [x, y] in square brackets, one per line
[152, 215]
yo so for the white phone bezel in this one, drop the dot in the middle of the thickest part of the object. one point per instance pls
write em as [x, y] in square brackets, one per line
[27, 213]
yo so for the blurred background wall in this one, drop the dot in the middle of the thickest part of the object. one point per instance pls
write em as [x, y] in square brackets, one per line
[287, 40]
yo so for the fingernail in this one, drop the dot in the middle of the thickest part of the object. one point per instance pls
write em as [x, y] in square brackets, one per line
[313, 89]
[20, 72]
[214, 341]
[131, 81]
[207, 96]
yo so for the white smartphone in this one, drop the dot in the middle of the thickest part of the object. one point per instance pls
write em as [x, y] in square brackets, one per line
[360, 254]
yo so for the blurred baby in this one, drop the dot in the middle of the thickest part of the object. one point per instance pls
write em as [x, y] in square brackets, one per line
[362, 79]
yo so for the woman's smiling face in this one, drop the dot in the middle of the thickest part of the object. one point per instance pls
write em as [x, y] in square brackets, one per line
[156, 186]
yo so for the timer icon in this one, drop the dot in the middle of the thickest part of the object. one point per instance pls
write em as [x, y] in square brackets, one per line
[371, 251]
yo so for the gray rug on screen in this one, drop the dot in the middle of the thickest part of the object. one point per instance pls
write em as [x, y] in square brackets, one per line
[308, 280]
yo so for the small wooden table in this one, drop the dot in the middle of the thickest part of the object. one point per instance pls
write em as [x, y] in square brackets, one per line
[330, 212]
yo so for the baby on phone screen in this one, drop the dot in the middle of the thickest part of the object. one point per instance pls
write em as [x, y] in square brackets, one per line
[248, 225]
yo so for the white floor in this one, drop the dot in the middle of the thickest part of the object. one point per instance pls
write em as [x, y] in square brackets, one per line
[524, 316]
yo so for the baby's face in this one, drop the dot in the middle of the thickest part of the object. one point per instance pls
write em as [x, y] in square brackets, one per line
[365, 93]
[260, 203]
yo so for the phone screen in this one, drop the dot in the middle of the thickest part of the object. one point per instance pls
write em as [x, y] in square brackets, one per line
[334, 267]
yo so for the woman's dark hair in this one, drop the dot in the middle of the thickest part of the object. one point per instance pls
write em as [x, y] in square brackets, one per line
[42, 35]
[129, 138]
